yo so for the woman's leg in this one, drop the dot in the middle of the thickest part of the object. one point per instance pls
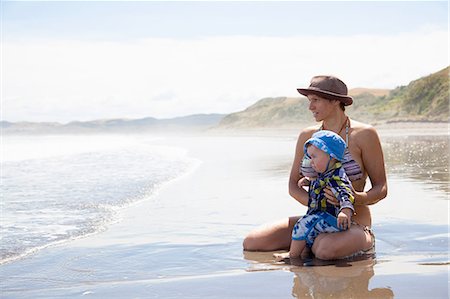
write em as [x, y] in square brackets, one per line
[329, 246]
[275, 236]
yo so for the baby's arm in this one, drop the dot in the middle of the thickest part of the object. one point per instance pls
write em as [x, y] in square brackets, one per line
[342, 190]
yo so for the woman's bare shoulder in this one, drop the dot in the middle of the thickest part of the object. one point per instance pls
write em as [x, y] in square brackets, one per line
[307, 132]
[310, 130]
[364, 132]
[359, 125]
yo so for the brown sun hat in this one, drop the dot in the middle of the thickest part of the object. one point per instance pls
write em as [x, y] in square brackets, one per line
[328, 87]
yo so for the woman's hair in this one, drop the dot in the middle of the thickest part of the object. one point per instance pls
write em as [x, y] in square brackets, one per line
[341, 104]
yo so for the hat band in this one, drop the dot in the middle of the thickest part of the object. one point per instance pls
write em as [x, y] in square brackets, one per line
[327, 91]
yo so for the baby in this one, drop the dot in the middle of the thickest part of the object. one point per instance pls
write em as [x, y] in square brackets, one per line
[325, 149]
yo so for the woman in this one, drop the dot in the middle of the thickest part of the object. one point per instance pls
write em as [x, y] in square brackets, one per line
[328, 97]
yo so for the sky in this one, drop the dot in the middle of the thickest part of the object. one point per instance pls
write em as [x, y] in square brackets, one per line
[63, 61]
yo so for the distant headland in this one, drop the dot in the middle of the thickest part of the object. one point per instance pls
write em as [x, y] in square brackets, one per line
[423, 100]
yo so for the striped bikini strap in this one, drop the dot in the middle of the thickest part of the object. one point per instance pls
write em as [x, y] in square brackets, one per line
[347, 128]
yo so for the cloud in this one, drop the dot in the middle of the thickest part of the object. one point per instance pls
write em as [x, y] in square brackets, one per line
[63, 80]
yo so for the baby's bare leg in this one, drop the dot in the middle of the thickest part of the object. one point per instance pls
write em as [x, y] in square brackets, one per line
[297, 247]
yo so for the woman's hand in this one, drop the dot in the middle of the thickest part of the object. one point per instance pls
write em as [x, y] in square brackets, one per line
[331, 199]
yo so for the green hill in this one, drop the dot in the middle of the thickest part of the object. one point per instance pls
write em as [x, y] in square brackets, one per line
[424, 99]
[270, 112]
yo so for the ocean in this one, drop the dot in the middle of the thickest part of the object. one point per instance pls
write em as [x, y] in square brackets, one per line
[59, 188]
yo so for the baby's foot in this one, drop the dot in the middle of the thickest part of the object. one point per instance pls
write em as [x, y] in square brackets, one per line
[306, 253]
[281, 256]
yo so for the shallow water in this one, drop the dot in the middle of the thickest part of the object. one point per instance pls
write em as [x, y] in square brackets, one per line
[424, 159]
[57, 188]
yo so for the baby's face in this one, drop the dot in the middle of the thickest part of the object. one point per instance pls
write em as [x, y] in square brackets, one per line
[319, 159]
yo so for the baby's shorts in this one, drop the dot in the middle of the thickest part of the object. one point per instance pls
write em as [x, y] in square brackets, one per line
[310, 226]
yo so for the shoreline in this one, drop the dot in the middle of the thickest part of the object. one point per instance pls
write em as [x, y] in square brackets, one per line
[411, 127]
[383, 129]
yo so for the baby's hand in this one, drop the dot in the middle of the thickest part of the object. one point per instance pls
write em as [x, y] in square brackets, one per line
[344, 219]
[303, 182]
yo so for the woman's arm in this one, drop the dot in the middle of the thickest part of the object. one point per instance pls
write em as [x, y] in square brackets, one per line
[295, 191]
[373, 160]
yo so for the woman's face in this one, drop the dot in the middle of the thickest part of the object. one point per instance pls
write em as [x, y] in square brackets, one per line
[319, 159]
[321, 107]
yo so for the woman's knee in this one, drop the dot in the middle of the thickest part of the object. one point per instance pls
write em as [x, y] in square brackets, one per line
[250, 243]
[324, 250]
[256, 241]
[331, 246]
[274, 236]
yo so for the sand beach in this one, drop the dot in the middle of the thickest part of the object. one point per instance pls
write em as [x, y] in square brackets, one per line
[185, 239]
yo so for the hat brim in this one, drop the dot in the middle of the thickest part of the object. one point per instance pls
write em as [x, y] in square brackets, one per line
[347, 100]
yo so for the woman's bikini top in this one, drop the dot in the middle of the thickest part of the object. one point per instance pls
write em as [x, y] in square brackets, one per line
[351, 167]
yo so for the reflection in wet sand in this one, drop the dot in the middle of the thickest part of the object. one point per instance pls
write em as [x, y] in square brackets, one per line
[346, 280]
[314, 278]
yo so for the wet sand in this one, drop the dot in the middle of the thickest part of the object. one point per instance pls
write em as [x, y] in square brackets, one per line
[186, 241]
